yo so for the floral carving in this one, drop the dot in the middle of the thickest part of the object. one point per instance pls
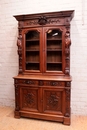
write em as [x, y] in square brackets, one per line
[30, 82]
[29, 98]
[52, 101]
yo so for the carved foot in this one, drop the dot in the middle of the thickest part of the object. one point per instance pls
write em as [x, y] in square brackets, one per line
[17, 114]
[66, 121]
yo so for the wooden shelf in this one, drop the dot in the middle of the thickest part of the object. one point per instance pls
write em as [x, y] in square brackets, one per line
[32, 62]
[54, 49]
[54, 39]
[32, 40]
[32, 50]
[54, 62]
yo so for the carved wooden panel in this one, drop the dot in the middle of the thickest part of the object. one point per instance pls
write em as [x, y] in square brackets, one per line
[52, 100]
[29, 98]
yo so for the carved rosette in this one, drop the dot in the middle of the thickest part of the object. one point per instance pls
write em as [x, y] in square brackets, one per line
[67, 110]
[67, 51]
[16, 98]
[19, 44]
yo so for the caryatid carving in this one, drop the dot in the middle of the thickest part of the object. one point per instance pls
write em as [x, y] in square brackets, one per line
[19, 44]
[67, 52]
[67, 39]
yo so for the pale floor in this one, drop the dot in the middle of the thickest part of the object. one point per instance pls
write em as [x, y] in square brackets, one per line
[8, 122]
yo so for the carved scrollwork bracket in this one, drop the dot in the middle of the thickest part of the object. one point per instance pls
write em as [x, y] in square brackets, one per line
[19, 44]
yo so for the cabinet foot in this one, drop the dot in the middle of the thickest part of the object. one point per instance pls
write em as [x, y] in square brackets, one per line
[66, 121]
[17, 114]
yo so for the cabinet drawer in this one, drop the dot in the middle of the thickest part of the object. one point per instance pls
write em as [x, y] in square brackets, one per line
[26, 82]
[39, 82]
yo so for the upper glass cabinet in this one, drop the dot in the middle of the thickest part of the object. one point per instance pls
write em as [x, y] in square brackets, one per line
[32, 53]
[54, 50]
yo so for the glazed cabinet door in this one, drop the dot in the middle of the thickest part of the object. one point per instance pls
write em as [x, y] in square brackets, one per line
[32, 53]
[30, 99]
[54, 101]
[54, 61]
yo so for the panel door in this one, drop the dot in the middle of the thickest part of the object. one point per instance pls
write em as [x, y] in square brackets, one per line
[30, 99]
[54, 50]
[32, 53]
[54, 101]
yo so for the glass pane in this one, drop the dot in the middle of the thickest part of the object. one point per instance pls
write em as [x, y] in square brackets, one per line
[54, 50]
[32, 51]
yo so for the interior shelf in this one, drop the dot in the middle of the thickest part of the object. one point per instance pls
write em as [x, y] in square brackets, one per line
[32, 40]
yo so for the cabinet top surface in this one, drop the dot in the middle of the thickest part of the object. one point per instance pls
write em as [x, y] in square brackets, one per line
[44, 77]
[68, 13]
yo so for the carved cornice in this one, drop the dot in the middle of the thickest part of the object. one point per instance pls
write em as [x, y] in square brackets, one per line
[52, 18]
[69, 14]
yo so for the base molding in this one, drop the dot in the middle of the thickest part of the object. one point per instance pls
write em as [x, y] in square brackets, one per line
[41, 116]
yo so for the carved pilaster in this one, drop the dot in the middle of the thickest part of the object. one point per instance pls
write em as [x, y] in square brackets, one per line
[19, 44]
[67, 51]
[17, 98]
[67, 109]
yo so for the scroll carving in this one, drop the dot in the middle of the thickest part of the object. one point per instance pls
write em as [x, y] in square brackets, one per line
[19, 44]
[30, 82]
[43, 21]
[53, 83]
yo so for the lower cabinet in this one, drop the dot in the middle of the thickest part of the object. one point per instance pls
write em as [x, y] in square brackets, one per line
[43, 101]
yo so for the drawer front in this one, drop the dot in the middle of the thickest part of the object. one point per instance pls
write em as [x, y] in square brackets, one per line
[40, 82]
